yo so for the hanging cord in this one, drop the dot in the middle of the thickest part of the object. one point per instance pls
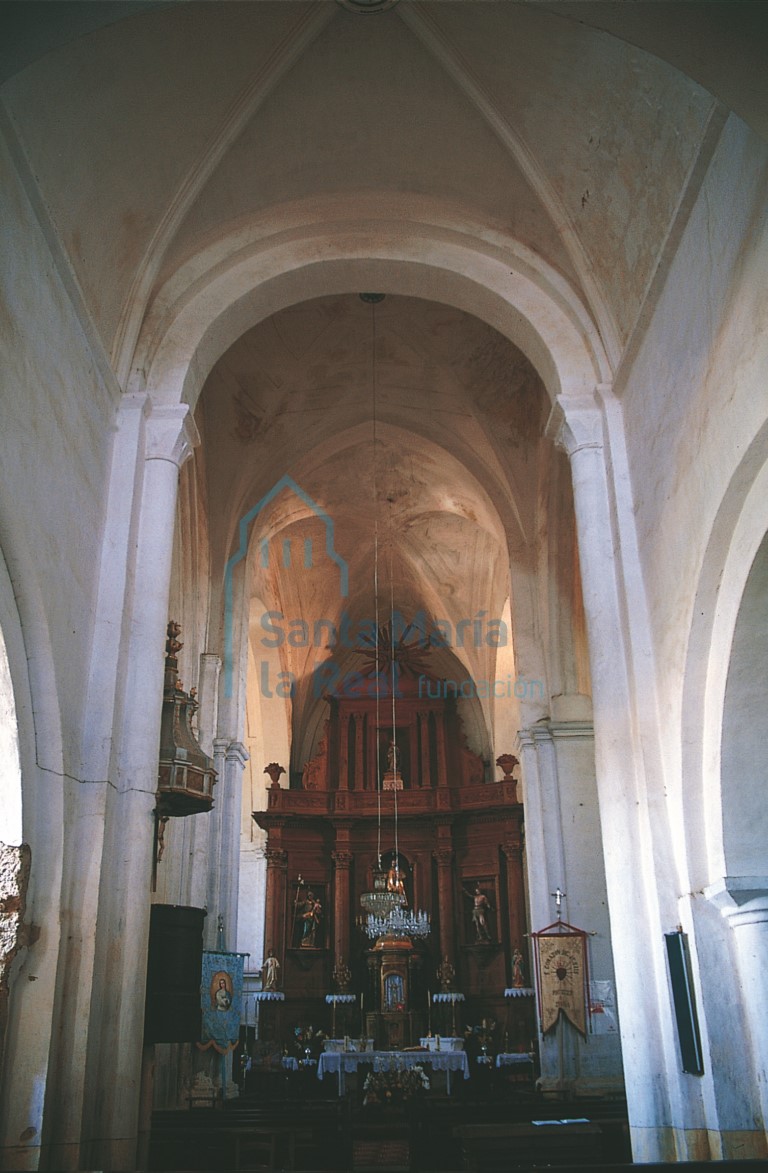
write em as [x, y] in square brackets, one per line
[393, 681]
[376, 578]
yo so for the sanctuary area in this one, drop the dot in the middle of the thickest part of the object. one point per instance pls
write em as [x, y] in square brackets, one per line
[383, 584]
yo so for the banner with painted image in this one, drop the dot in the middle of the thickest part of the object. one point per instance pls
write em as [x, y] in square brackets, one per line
[221, 998]
[561, 975]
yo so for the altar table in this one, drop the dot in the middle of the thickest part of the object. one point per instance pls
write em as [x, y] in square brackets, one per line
[513, 1059]
[342, 1062]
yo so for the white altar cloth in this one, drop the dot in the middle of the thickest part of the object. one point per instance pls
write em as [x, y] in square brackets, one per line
[513, 1058]
[341, 1062]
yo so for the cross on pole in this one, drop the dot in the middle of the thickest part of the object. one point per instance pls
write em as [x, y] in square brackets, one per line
[558, 895]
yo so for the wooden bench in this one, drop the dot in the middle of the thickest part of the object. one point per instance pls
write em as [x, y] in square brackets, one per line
[245, 1136]
[497, 1148]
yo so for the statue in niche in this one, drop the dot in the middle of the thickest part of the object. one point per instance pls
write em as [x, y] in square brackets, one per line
[394, 992]
[481, 906]
[270, 971]
[395, 880]
[393, 779]
[311, 916]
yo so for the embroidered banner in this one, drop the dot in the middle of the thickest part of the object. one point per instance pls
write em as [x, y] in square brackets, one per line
[221, 996]
[562, 966]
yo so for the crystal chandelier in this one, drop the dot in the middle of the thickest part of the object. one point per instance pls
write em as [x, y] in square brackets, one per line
[399, 922]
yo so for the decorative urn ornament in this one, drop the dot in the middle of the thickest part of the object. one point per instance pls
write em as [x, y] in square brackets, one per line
[274, 770]
[507, 763]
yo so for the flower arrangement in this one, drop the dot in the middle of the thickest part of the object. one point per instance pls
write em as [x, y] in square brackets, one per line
[480, 1040]
[308, 1041]
[394, 1084]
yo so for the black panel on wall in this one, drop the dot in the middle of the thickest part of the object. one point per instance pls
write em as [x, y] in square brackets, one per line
[684, 1003]
[173, 974]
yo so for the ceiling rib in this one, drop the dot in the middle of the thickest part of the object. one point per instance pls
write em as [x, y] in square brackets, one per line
[433, 38]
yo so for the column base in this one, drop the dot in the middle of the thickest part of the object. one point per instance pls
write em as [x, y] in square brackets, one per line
[696, 1144]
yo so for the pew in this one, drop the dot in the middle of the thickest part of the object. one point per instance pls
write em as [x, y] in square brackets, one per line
[497, 1148]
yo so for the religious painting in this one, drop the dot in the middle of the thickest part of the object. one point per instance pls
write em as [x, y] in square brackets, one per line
[310, 916]
[480, 908]
[221, 991]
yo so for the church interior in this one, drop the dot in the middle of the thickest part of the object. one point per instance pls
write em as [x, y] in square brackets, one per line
[383, 584]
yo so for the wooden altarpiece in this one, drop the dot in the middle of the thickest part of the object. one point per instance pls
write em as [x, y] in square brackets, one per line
[458, 834]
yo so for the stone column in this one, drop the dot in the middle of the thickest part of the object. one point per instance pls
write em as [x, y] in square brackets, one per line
[199, 832]
[231, 802]
[577, 425]
[743, 901]
[543, 821]
[208, 699]
[114, 1060]
[215, 861]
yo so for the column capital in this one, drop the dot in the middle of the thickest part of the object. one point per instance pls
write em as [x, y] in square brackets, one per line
[576, 422]
[443, 856]
[277, 858]
[742, 900]
[171, 433]
[342, 859]
[512, 848]
[236, 752]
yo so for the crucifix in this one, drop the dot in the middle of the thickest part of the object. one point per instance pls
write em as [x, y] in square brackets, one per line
[558, 895]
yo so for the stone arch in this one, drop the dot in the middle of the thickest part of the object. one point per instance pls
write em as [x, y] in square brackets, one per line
[14, 853]
[33, 865]
[745, 729]
[736, 539]
[244, 277]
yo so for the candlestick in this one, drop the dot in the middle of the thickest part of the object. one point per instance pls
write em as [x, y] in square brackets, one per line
[362, 1017]
[429, 1013]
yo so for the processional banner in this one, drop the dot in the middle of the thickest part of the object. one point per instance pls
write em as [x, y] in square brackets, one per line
[221, 997]
[561, 975]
